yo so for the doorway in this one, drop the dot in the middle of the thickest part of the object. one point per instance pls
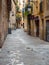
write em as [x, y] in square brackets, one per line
[43, 29]
[29, 24]
[37, 27]
[47, 30]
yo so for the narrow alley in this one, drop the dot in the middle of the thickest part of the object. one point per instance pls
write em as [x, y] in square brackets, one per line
[24, 32]
[21, 49]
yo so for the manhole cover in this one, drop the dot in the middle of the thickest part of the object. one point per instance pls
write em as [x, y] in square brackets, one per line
[28, 48]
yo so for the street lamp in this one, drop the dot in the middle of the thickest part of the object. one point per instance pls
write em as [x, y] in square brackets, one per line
[29, 8]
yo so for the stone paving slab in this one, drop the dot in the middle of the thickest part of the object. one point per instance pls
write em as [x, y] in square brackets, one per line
[22, 49]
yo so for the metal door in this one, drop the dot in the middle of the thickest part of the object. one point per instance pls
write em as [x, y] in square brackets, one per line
[47, 30]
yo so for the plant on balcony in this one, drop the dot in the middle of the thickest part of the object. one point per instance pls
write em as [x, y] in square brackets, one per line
[26, 11]
[17, 8]
[18, 17]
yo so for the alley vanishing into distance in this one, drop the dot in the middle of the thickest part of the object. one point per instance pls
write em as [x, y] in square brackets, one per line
[24, 32]
[21, 49]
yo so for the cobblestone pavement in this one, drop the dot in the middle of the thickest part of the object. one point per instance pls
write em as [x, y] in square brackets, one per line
[22, 49]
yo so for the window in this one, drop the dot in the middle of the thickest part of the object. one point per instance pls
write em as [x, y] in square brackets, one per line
[41, 6]
[47, 3]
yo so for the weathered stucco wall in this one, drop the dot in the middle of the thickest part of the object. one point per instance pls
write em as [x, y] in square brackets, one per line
[3, 21]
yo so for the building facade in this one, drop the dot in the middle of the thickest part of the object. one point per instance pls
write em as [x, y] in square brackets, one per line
[4, 16]
[39, 19]
[45, 20]
[40, 23]
[13, 14]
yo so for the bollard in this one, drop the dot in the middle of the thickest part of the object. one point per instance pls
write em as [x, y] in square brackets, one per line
[9, 30]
